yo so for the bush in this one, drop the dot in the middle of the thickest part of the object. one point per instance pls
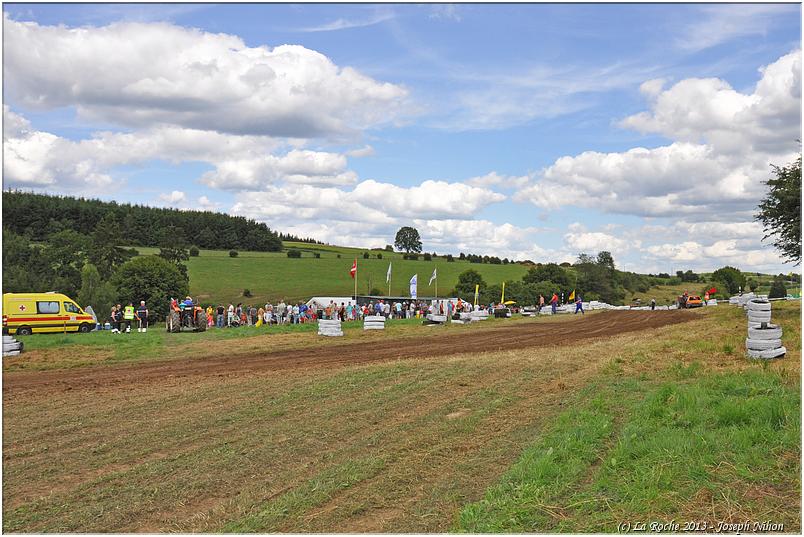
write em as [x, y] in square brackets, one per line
[294, 253]
[247, 293]
[339, 256]
[412, 257]
[152, 279]
[450, 259]
[389, 248]
[232, 253]
[317, 255]
[365, 255]
[193, 251]
[379, 256]
[427, 257]
[777, 290]
[375, 292]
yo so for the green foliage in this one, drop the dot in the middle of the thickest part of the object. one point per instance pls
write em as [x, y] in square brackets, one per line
[389, 248]
[133, 224]
[780, 211]
[95, 292]
[366, 255]
[233, 253]
[752, 284]
[598, 275]
[427, 257]
[450, 259]
[105, 251]
[778, 289]
[193, 251]
[550, 272]
[317, 255]
[408, 239]
[153, 279]
[247, 293]
[467, 280]
[379, 256]
[729, 278]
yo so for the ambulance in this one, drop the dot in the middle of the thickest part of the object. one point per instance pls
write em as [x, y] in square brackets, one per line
[26, 313]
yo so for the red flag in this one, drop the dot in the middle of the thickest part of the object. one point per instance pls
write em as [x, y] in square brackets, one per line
[353, 270]
[712, 291]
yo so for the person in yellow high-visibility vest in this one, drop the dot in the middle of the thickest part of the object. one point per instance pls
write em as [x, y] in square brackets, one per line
[128, 316]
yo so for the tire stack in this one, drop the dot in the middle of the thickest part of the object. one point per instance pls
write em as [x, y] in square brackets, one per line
[432, 319]
[764, 339]
[11, 347]
[328, 327]
[374, 322]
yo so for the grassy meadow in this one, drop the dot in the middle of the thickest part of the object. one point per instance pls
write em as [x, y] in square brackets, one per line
[672, 423]
[216, 277]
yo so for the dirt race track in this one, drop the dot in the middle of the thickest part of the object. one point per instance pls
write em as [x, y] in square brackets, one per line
[517, 336]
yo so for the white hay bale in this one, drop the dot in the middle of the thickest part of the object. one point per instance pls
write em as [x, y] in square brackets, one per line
[768, 354]
[374, 318]
[436, 318]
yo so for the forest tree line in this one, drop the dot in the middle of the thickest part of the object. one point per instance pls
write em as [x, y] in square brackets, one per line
[39, 216]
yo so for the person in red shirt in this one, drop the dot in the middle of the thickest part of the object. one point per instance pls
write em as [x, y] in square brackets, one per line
[554, 302]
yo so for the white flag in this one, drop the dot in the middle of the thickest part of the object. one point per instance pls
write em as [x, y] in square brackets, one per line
[388, 276]
[433, 277]
[413, 286]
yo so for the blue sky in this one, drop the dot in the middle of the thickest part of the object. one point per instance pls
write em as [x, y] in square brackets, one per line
[524, 131]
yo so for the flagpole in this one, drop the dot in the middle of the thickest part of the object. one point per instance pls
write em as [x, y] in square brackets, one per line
[389, 280]
[355, 281]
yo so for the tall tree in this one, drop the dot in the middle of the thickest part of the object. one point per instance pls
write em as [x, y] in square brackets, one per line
[408, 239]
[780, 211]
[105, 251]
[730, 278]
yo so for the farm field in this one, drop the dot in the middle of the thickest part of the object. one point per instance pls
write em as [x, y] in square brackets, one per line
[550, 424]
[270, 276]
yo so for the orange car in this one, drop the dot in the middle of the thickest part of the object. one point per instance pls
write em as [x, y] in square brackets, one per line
[694, 302]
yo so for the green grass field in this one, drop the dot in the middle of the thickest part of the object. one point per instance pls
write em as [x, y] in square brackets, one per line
[669, 424]
[216, 277]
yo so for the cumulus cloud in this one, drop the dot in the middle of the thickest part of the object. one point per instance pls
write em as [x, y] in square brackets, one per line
[370, 201]
[593, 242]
[42, 160]
[159, 73]
[365, 151]
[724, 143]
[495, 179]
[173, 198]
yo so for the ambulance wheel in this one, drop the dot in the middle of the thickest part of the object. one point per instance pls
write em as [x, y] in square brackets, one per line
[24, 331]
[84, 328]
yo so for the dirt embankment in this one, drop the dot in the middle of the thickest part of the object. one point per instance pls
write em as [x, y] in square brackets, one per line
[525, 335]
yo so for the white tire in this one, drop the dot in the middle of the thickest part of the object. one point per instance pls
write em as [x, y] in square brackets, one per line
[759, 305]
[762, 344]
[771, 332]
[759, 317]
[766, 355]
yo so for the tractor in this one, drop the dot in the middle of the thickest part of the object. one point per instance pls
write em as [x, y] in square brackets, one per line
[188, 319]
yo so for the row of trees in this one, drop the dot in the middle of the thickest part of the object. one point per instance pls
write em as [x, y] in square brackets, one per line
[42, 216]
[594, 277]
[94, 269]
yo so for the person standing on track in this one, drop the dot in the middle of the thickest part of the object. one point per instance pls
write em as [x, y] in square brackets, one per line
[541, 301]
[128, 316]
[554, 303]
[652, 304]
[579, 305]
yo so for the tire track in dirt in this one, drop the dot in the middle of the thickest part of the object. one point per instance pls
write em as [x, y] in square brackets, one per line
[523, 335]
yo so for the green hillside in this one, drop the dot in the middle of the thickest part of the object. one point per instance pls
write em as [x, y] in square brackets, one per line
[216, 277]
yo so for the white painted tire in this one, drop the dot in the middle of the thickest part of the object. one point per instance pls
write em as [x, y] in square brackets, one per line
[771, 332]
[759, 317]
[762, 344]
[766, 355]
[759, 305]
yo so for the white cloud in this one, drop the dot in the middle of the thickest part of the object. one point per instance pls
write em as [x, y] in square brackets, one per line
[710, 111]
[445, 12]
[721, 23]
[495, 179]
[176, 197]
[715, 168]
[142, 74]
[365, 151]
[593, 242]
[369, 201]
[345, 24]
